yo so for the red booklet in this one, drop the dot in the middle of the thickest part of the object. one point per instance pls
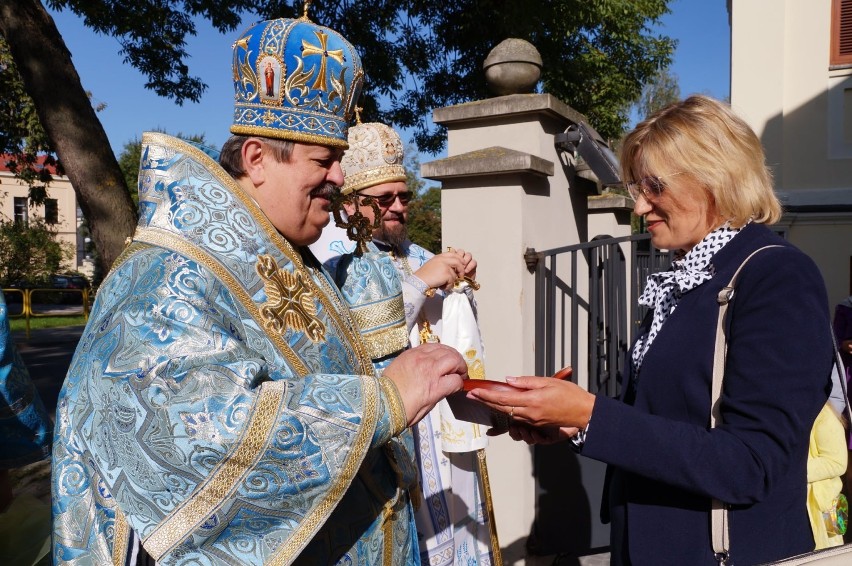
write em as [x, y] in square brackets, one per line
[465, 409]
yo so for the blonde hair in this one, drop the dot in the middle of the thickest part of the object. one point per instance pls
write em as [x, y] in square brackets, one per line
[702, 138]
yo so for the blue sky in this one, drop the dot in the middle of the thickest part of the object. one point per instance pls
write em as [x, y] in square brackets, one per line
[701, 62]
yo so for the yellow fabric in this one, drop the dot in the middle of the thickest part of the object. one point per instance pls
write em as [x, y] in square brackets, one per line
[827, 459]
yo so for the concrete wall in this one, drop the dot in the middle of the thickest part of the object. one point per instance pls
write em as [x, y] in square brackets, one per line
[782, 85]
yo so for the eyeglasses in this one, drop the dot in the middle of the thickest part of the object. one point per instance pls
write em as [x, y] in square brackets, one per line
[386, 201]
[649, 187]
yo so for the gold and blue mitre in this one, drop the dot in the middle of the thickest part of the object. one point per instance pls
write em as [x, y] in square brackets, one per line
[295, 80]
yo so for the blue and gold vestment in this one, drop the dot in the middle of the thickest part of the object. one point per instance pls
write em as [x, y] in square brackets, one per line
[221, 406]
[25, 428]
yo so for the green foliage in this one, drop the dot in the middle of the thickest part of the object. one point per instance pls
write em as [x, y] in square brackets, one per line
[152, 35]
[424, 219]
[128, 162]
[661, 91]
[37, 323]
[420, 55]
[424, 210]
[22, 138]
[30, 251]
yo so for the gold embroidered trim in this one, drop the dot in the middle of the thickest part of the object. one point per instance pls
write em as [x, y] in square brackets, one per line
[223, 481]
[289, 301]
[280, 134]
[342, 317]
[169, 241]
[382, 327]
[386, 341]
[387, 532]
[120, 538]
[128, 251]
[379, 314]
[489, 507]
[316, 517]
[371, 177]
[329, 297]
[399, 422]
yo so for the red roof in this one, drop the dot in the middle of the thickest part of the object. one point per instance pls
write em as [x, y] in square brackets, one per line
[6, 157]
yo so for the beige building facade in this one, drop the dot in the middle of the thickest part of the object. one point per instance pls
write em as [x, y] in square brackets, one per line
[791, 79]
[60, 210]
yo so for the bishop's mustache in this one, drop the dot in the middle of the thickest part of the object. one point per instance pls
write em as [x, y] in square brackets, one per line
[393, 216]
[327, 191]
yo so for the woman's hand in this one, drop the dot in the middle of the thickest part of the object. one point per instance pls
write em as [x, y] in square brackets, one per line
[544, 402]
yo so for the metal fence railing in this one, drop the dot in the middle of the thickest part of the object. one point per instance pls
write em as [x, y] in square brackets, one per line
[609, 306]
[37, 303]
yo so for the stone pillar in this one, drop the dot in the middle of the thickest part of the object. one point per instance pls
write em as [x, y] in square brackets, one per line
[504, 190]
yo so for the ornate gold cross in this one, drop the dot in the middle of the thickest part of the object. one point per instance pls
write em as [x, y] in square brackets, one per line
[290, 303]
[324, 53]
[358, 228]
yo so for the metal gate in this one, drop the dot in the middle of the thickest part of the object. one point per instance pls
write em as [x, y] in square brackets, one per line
[610, 305]
[570, 488]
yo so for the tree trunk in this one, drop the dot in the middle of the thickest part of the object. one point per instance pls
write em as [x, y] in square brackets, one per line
[69, 120]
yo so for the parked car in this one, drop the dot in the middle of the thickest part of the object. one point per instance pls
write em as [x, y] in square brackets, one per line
[68, 282]
[60, 282]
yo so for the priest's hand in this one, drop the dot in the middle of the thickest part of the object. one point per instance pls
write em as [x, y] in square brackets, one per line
[443, 270]
[424, 375]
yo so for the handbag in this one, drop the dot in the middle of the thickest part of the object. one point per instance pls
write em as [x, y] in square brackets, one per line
[835, 556]
[837, 516]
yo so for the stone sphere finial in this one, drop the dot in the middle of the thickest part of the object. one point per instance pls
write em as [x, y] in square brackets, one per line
[512, 67]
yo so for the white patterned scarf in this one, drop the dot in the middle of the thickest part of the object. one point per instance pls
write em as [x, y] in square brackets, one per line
[664, 290]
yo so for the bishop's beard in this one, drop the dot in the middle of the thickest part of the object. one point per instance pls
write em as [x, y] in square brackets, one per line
[395, 236]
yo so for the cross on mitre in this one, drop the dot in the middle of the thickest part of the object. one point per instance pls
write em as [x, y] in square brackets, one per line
[324, 53]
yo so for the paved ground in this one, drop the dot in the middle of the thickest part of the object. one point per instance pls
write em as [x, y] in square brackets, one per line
[48, 354]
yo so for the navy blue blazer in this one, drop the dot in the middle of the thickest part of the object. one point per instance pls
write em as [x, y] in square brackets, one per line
[666, 463]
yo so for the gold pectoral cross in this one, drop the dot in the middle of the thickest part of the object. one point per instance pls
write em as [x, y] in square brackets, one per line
[321, 50]
[290, 303]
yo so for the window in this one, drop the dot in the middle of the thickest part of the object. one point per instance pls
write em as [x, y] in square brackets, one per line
[21, 210]
[51, 211]
[841, 33]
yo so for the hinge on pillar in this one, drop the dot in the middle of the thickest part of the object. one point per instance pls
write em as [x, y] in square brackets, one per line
[531, 258]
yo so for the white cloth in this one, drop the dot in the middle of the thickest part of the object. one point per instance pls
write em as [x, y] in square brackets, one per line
[461, 331]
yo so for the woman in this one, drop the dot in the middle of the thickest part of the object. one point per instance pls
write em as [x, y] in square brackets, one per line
[843, 336]
[697, 174]
[827, 461]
